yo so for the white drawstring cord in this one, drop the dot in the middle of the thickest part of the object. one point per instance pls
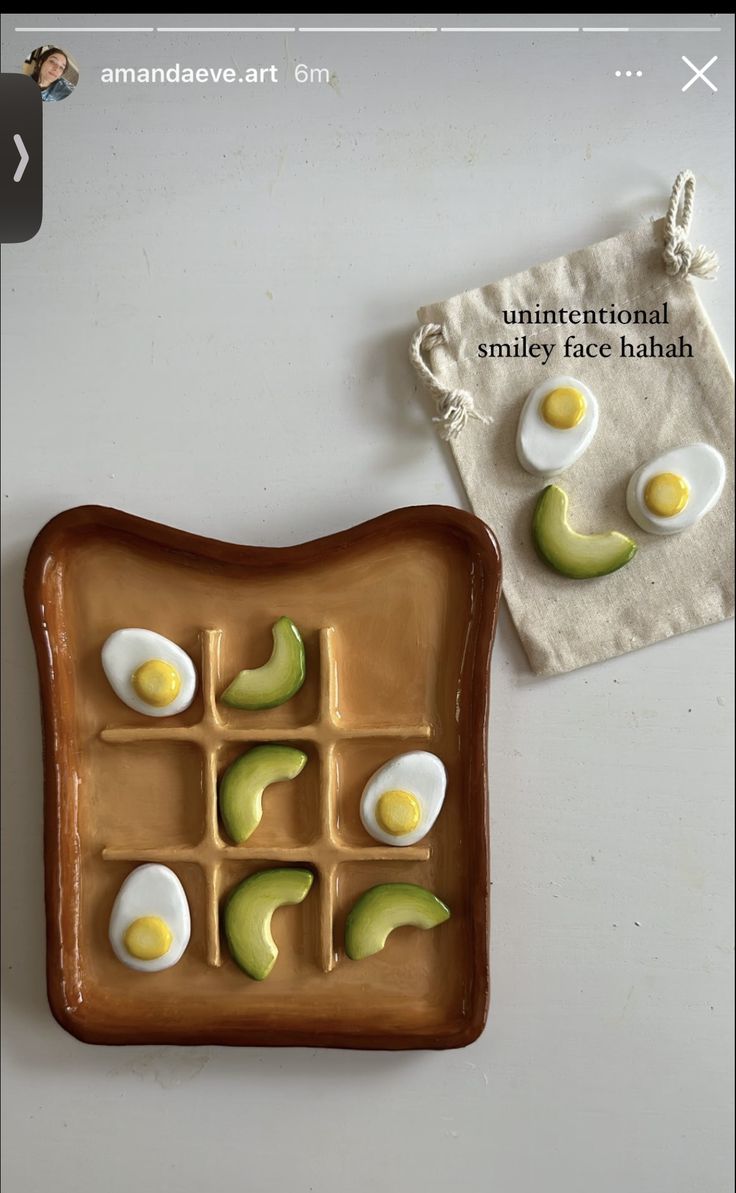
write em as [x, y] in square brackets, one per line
[454, 406]
[680, 258]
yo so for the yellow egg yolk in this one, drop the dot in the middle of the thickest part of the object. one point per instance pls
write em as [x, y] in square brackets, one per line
[148, 937]
[398, 812]
[156, 682]
[666, 494]
[563, 408]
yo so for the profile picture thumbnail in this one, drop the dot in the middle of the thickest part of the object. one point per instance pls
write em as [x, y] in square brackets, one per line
[55, 71]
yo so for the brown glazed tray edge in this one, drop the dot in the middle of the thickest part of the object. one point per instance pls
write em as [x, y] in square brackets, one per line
[396, 522]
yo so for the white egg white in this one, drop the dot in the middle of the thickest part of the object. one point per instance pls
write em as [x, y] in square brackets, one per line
[151, 890]
[126, 650]
[547, 451]
[418, 772]
[700, 465]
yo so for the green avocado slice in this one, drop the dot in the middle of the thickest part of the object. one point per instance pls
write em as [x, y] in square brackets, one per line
[243, 784]
[278, 679]
[248, 914]
[580, 556]
[385, 907]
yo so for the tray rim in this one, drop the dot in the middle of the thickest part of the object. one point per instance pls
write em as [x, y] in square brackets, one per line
[83, 517]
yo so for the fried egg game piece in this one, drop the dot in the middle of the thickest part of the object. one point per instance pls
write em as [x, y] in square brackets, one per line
[149, 673]
[150, 923]
[557, 424]
[673, 492]
[402, 800]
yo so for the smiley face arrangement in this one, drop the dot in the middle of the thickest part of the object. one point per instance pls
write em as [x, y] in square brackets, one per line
[150, 923]
[666, 496]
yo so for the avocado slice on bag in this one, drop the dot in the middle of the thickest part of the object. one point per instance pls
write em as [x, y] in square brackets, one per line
[579, 556]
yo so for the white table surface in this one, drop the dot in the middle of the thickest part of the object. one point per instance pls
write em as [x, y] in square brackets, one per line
[210, 330]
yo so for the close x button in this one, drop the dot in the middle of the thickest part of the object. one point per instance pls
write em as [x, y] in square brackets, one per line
[21, 158]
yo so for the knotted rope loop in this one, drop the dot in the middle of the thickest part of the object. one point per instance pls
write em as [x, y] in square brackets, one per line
[454, 406]
[680, 258]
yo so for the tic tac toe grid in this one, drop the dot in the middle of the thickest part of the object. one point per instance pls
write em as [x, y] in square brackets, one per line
[210, 735]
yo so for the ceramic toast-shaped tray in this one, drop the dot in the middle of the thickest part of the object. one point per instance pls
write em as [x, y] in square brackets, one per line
[397, 617]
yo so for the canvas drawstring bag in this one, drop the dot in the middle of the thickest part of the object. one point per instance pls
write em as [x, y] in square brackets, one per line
[662, 385]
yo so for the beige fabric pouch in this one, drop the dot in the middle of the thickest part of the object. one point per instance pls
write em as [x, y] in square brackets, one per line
[649, 404]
